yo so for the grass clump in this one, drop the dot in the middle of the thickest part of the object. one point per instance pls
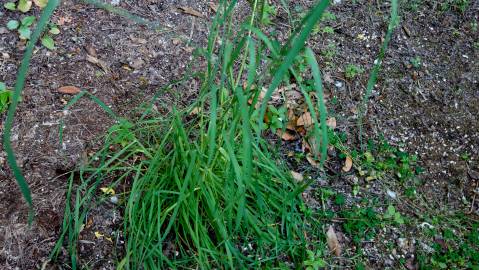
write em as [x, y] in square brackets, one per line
[206, 191]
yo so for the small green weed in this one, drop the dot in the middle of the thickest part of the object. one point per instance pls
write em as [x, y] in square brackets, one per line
[393, 215]
[453, 249]
[330, 52]
[458, 5]
[416, 62]
[269, 11]
[5, 97]
[23, 27]
[352, 71]
[361, 222]
[315, 260]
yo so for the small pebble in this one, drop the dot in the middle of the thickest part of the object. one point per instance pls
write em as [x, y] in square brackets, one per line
[114, 199]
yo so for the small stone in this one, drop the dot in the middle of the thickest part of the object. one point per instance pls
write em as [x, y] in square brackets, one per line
[391, 194]
[115, 2]
[338, 84]
[402, 243]
[114, 199]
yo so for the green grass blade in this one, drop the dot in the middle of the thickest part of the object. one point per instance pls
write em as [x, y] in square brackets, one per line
[298, 44]
[20, 83]
[393, 22]
[323, 114]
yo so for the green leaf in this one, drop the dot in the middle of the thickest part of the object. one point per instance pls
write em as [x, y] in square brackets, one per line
[12, 24]
[48, 42]
[24, 32]
[24, 5]
[54, 30]
[29, 20]
[3, 87]
[10, 6]
[5, 96]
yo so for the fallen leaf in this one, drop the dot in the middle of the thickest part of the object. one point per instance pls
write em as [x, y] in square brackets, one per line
[188, 49]
[69, 89]
[348, 164]
[190, 11]
[195, 111]
[260, 98]
[297, 176]
[286, 135]
[331, 122]
[89, 223]
[91, 50]
[213, 6]
[64, 20]
[333, 242]
[108, 190]
[24, 5]
[310, 158]
[97, 62]
[98, 234]
[138, 40]
[305, 120]
[305, 146]
[41, 3]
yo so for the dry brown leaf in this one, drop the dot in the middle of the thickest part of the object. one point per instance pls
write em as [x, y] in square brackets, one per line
[294, 95]
[331, 122]
[297, 176]
[348, 164]
[260, 99]
[305, 147]
[305, 120]
[64, 20]
[333, 242]
[97, 62]
[213, 6]
[310, 158]
[91, 50]
[292, 119]
[40, 3]
[190, 11]
[286, 136]
[195, 111]
[138, 40]
[69, 89]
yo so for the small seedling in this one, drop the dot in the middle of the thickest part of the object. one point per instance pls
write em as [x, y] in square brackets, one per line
[269, 12]
[314, 261]
[328, 30]
[352, 71]
[23, 27]
[392, 214]
[330, 52]
[5, 97]
[328, 16]
[416, 62]
[10, 6]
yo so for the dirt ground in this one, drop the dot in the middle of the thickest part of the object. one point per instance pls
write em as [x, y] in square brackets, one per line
[432, 111]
